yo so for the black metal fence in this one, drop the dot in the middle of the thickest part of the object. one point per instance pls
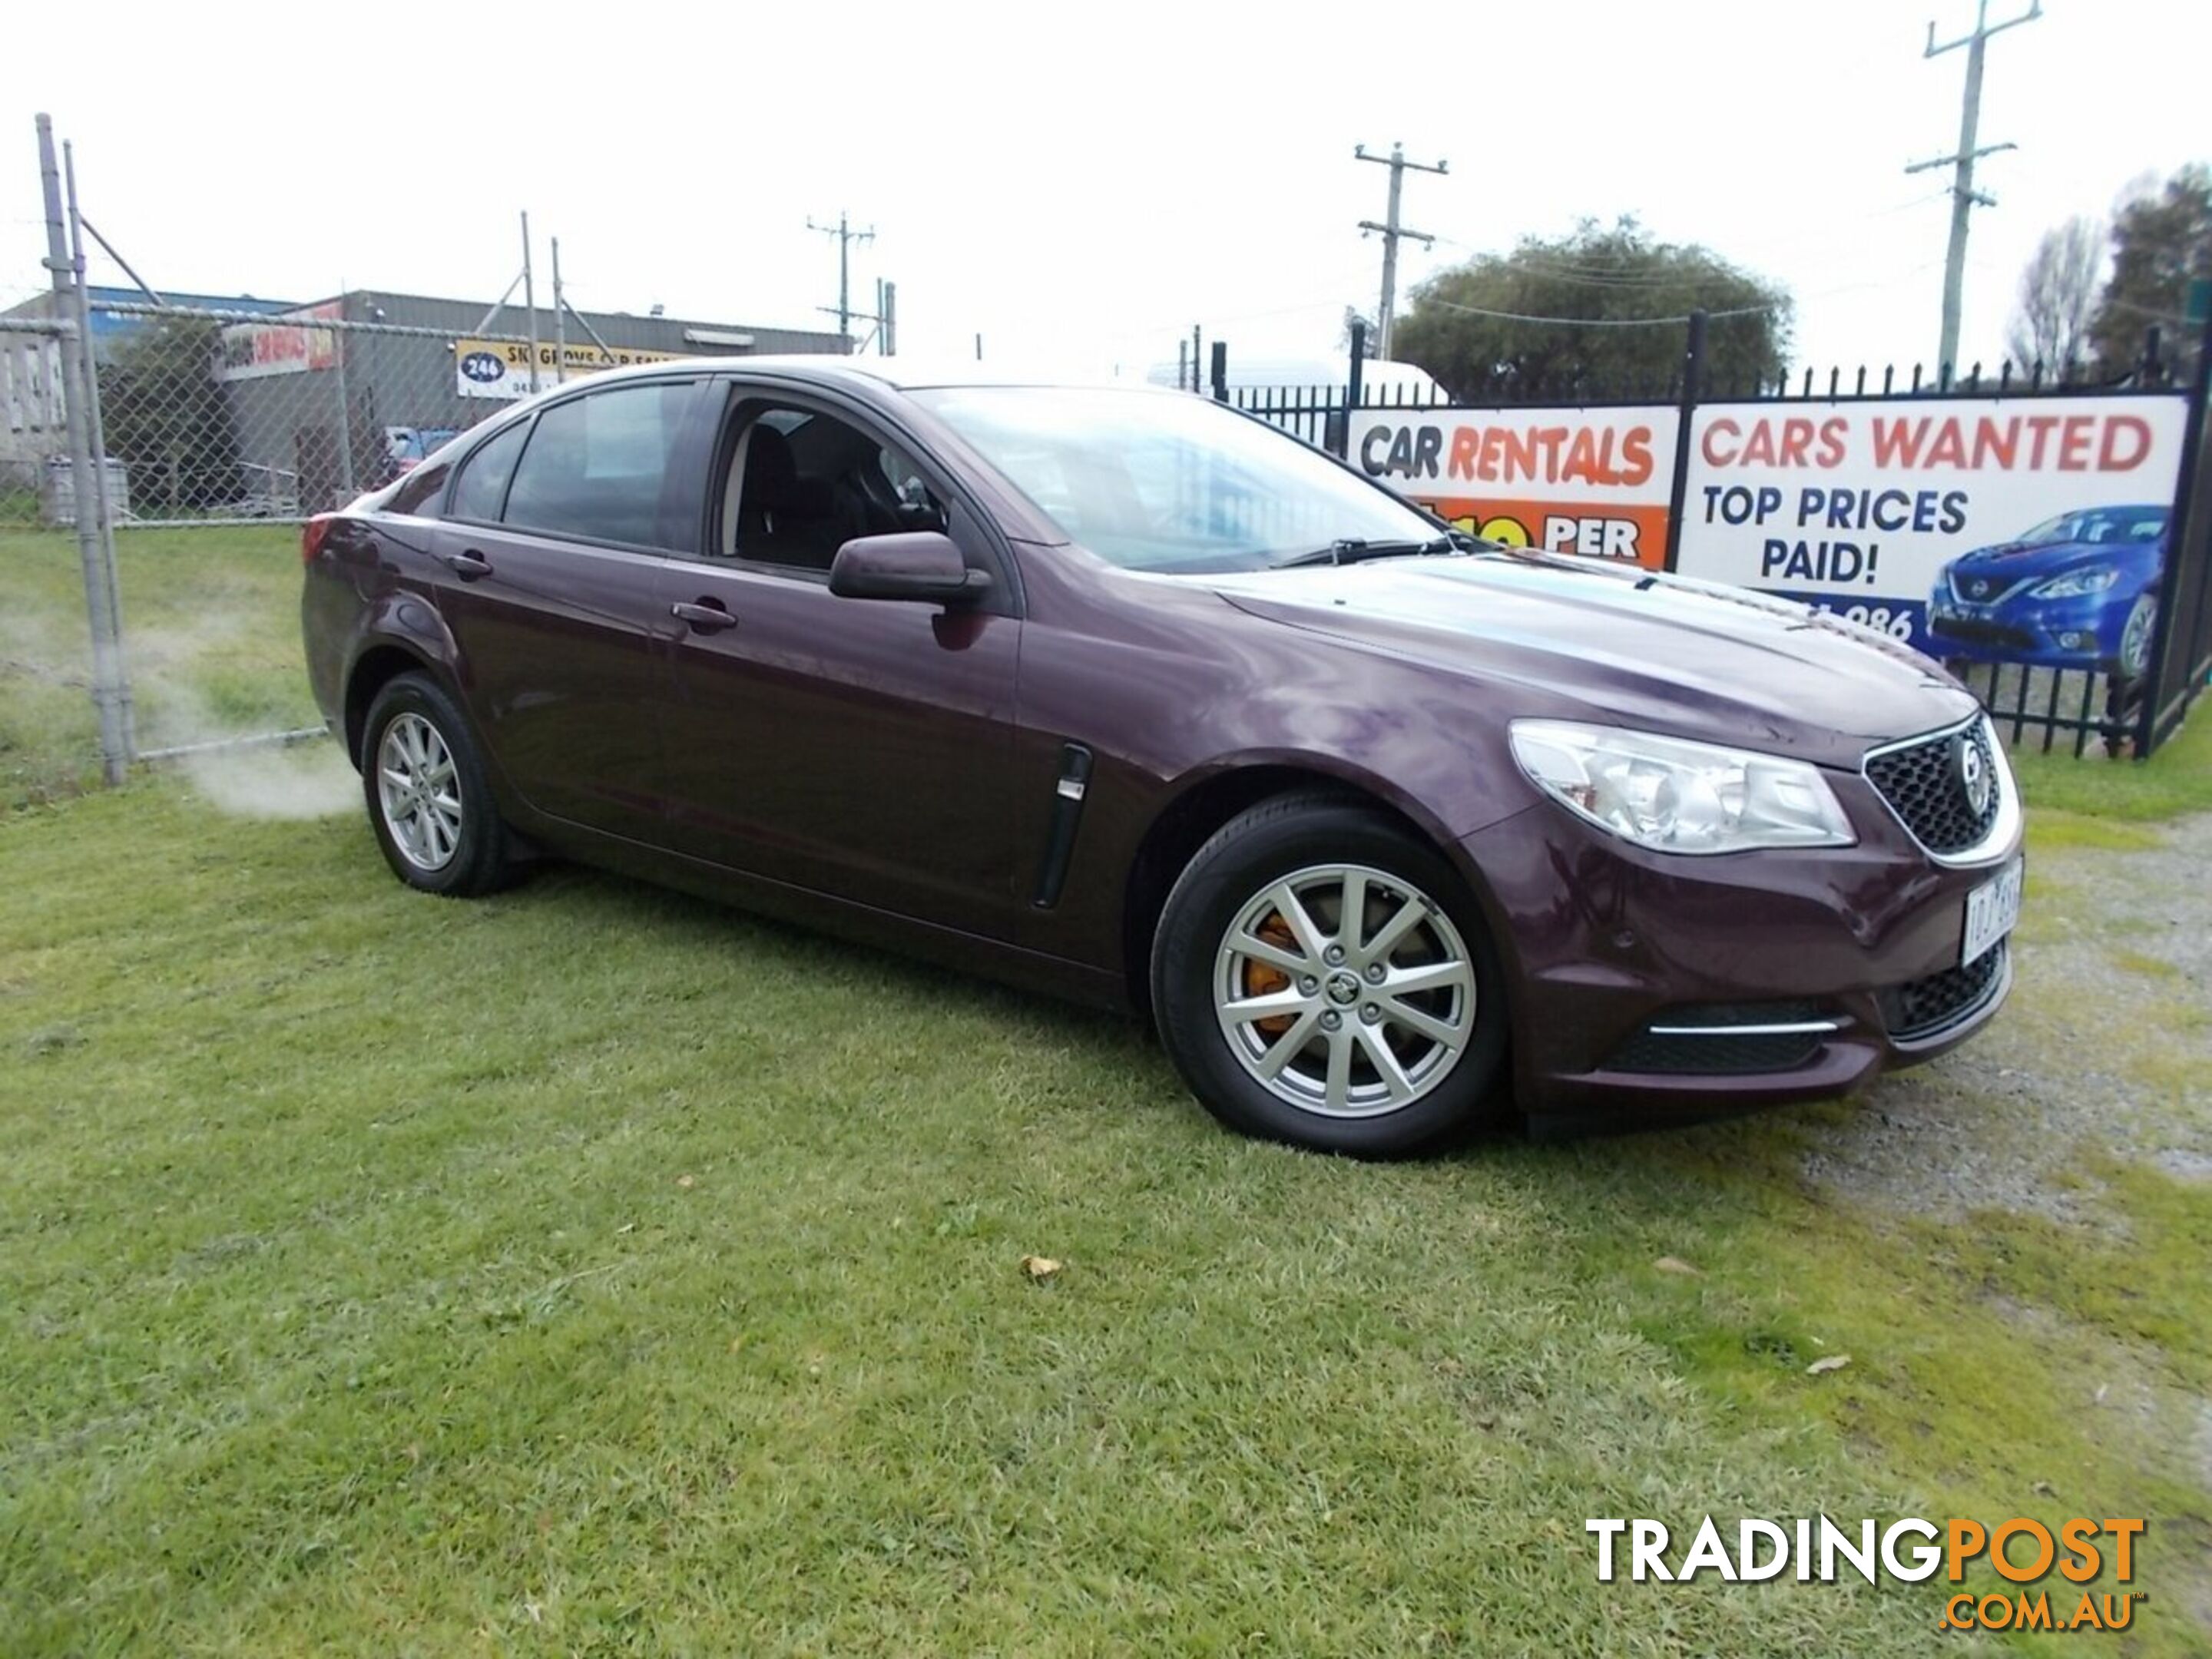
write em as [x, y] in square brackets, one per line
[2075, 709]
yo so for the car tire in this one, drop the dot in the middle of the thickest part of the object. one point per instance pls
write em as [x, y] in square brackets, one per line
[429, 799]
[1393, 1033]
[2133, 662]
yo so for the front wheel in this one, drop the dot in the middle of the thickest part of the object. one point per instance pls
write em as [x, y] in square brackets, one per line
[2136, 636]
[1321, 976]
[428, 800]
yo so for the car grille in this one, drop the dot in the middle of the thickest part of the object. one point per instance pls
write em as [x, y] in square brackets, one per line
[1983, 590]
[1975, 632]
[1677, 1050]
[1922, 1007]
[1920, 781]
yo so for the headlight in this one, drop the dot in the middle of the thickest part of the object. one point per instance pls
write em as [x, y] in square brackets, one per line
[1678, 797]
[2079, 584]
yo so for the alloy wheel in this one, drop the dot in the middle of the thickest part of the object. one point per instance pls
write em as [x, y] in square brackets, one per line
[1344, 990]
[2134, 638]
[418, 793]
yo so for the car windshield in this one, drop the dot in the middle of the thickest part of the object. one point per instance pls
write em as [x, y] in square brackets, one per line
[2099, 524]
[1167, 481]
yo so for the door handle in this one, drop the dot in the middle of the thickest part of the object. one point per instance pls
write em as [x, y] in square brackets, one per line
[704, 617]
[469, 565]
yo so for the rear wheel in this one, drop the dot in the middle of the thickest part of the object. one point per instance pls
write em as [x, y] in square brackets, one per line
[1321, 977]
[428, 800]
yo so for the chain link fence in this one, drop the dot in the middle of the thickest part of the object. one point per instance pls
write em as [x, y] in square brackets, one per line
[158, 451]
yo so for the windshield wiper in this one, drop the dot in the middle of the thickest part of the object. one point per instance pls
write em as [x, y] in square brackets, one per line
[1351, 550]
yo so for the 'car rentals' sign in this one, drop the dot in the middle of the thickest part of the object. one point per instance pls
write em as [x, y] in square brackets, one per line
[1592, 481]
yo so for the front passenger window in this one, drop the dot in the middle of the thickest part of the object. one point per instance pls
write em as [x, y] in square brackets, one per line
[798, 485]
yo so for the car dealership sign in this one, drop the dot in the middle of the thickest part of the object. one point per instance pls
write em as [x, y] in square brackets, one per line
[1863, 508]
[501, 368]
[1592, 481]
[287, 344]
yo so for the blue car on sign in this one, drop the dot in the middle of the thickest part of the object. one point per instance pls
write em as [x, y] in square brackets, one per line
[2079, 591]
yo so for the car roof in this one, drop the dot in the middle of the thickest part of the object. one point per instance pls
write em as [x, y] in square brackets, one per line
[899, 374]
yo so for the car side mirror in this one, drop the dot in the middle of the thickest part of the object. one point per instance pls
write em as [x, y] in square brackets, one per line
[920, 564]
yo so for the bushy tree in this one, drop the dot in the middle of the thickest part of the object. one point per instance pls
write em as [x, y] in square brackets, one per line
[1472, 327]
[168, 420]
[2161, 242]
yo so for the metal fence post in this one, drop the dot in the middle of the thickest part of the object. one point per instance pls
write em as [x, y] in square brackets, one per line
[2181, 539]
[1693, 367]
[1354, 388]
[106, 654]
[104, 507]
[1218, 372]
[347, 488]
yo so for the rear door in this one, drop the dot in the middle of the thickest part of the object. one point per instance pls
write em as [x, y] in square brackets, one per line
[551, 550]
[856, 747]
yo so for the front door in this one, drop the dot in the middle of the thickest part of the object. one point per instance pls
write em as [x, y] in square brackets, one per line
[855, 747]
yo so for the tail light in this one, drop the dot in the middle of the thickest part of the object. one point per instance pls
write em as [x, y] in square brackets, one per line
[312, 534]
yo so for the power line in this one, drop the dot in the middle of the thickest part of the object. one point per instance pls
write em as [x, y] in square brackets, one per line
[1963, 197]
[1391, 230]
[1597, 322]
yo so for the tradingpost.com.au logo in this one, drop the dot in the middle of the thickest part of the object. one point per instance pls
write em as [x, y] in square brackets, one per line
[2019, 1551]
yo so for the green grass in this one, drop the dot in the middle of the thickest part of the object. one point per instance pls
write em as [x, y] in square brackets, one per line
[211, 623]
[584, 1270]
[2175, 781]
[581, 1270]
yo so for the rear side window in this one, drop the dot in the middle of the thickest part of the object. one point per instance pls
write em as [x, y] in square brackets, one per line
[597, 466]
[483, 478]
[417, 495]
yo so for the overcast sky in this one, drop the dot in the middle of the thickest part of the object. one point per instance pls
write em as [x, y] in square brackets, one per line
[1080, 184]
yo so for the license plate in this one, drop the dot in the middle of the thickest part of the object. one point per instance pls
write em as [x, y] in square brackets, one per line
[1992, 911]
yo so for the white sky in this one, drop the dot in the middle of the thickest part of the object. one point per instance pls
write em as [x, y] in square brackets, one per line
[1080, 185]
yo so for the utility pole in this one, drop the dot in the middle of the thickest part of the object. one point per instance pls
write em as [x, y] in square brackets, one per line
[1963, 196]
[1391, 230]
[845, 236]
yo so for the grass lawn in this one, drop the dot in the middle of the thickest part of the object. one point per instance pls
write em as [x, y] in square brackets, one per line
[211, 620]
[582, 1270]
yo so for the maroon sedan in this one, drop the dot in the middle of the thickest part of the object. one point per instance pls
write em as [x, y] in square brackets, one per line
[1123, 696]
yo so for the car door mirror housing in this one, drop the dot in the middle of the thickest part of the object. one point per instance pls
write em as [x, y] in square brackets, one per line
[921, 564]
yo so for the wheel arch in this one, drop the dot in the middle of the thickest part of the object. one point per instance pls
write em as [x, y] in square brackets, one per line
[376, 666]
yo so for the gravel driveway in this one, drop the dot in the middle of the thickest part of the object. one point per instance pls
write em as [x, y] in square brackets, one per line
[2106, 1045]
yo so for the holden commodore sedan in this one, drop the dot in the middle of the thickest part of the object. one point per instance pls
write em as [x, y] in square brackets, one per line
[1121, 696]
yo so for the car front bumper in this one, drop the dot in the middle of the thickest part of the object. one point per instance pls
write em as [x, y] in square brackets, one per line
[1651, 988]
[2082, 632]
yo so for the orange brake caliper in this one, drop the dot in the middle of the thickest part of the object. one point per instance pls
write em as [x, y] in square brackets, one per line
[1262, 980]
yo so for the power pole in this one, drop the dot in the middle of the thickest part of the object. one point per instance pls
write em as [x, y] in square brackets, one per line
[1391, 230]
[1963, 196]
[846, 237]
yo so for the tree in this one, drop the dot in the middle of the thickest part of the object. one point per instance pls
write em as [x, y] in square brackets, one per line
[2161, 242]
[1593, 313]
[168, 420]
[2057, 296]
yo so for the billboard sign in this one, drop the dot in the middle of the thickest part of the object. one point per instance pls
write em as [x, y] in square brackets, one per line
[1589, 481]
[253, 351]
[2016, 531]
[501, 368]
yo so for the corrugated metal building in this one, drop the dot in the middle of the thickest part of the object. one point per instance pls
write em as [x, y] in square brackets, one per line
[430, 367]
[314, 413]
